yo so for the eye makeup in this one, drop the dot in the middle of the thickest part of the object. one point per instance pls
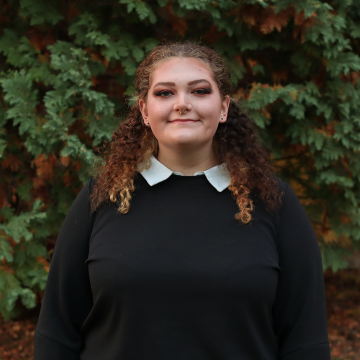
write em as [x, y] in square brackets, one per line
[161, 92]
[203, 91]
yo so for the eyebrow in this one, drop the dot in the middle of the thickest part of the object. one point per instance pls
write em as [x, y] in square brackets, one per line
[189, 83]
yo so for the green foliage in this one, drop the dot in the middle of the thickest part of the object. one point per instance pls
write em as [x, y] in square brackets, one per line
[26, 273]
[67, 68]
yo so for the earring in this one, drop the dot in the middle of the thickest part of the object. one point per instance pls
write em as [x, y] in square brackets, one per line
[148, 123]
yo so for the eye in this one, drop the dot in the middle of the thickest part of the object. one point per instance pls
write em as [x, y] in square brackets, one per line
[202, 91]
[163, 93]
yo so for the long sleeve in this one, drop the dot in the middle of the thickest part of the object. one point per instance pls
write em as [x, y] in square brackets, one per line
[299, 312]
[67, 298]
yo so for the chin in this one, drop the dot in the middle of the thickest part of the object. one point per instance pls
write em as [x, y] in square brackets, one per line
[185, 139]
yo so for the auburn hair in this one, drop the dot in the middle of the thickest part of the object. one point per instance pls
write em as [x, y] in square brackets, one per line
[235, 141]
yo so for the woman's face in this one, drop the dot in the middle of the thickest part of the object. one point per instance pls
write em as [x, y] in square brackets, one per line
[180, 84]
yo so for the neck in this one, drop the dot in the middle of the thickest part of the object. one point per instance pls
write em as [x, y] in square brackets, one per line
[187, 162]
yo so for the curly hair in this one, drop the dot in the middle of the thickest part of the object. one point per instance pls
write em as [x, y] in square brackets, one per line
[235, 141]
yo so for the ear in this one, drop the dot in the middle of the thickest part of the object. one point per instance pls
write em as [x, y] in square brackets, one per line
[143, 110]
[224, 108]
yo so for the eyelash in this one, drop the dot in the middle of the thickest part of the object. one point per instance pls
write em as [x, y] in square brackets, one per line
[205, 92]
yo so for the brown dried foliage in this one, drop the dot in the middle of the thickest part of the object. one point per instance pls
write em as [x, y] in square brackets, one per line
[265, 21]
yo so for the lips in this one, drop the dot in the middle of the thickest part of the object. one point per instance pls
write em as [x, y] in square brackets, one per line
[184, 120]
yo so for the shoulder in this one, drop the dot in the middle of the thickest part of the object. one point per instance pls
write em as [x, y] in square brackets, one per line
[285, 196]
[282, 184]
[290, 207]
[90, 184]
[288, 194]
[282, 189]
[84, 195]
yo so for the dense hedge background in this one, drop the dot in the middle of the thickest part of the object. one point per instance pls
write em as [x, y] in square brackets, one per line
[66, 78]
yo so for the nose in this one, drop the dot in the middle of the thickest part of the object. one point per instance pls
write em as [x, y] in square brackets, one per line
[182, 103]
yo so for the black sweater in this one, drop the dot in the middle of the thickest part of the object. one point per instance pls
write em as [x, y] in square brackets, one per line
[178, 278]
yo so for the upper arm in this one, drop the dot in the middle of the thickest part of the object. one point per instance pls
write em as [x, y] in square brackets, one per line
[299, 311]
[67, 298]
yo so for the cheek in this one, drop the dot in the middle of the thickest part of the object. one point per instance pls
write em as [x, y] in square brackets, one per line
[211, 127]
[210, 113]
[211, 122]
[158, 111]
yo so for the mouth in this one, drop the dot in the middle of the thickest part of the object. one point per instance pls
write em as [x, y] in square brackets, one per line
[184, 121]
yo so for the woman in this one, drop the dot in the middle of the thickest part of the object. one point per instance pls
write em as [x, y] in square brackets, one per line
[186, 245]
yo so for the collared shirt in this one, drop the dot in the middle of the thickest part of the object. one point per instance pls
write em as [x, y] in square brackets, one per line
[218, 176]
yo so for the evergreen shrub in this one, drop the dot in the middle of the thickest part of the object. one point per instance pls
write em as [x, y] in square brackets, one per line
[67, 75]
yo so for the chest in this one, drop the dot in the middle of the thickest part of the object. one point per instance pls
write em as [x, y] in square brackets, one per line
[184, 242]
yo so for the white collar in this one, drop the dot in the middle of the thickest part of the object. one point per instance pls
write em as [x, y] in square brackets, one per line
[218, 176]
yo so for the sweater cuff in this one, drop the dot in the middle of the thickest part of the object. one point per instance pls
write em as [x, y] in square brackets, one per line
[45, 349]
[315, 352]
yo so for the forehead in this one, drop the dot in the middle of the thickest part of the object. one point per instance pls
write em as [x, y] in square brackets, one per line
[181, 69]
